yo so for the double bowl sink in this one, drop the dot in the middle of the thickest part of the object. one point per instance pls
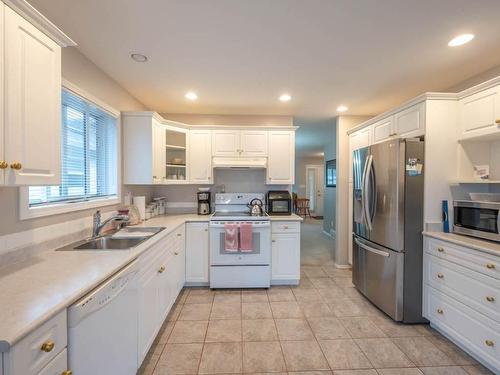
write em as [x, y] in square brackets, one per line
[124, 239]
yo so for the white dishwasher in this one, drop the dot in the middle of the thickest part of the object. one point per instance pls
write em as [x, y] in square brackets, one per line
[102, 327]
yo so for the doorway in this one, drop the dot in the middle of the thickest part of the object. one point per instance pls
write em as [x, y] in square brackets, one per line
[315, 189]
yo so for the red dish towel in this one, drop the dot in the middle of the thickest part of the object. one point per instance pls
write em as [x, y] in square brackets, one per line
[246, 245]
[231, 238]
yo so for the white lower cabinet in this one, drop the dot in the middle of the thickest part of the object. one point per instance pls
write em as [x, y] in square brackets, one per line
[58, 366]
[285, 253]
[462, 300]
[197, 253]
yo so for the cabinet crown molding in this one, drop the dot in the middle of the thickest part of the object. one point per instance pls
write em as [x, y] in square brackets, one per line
[36, 18]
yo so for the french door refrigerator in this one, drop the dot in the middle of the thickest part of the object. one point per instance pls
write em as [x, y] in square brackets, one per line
[388, 183]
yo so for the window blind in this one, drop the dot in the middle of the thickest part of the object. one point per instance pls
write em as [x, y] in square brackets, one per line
[88, 155]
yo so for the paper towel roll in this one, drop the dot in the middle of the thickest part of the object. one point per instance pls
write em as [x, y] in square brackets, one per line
[140, 203]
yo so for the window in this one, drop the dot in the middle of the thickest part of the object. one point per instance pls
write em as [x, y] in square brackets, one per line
[331, 173]
[89, 157]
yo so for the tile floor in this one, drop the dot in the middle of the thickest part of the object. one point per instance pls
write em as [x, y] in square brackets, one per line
[321, 327]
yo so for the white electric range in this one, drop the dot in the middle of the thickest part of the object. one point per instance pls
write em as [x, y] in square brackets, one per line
[239, 269]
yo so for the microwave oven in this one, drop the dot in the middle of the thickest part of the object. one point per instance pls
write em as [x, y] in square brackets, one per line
[279, 202]
[477, 219]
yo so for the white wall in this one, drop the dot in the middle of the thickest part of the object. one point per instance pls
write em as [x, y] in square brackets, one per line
[80, 71]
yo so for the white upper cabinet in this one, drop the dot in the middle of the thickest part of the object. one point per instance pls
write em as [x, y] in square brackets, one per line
[225, 143]
[176, 150]
[410, 122]
[158, 141]
[281, 159]
[32, 97]
[200, 157]
[253, 143]
[479, 114]
[361, 138]
[383, 129]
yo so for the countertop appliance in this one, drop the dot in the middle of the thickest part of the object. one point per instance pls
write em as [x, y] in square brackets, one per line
[388, 185]
[256, 207]
[239, 269]
[279, 202]
[477, 219]
[203, 202]
[102, 327]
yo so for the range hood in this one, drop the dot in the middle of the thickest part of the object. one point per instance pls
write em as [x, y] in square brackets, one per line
[234, 162]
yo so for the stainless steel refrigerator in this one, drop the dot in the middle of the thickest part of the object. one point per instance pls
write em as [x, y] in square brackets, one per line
[388, 191]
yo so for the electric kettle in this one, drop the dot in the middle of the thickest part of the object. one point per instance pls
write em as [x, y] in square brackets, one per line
[256, 207]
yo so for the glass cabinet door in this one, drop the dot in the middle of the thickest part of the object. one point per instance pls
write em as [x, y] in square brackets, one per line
[176, 156]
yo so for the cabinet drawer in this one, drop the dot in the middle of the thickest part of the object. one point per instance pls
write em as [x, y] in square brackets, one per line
[474, 289]
[57, 366]
[37, 349]
[285, 227]
[475, 332]
[472, 259]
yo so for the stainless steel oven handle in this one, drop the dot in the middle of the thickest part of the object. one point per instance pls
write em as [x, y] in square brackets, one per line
[366, 198]
[371, 249]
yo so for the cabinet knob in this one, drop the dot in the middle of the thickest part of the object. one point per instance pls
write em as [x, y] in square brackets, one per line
[178, 234]
[440, 249]
[285, 227]
[47, 346]
[273, 240]
[162, 269]
[490, 299]
[67, 372]
[490, 266]
[3, 164]
[439, 311]
[489, 343]
[16, 166]
[176, 253]
[497, 121]
[440, 275]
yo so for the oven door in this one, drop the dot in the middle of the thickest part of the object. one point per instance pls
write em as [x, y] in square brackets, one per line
[261, 240]
[280, 207]
[479, 219]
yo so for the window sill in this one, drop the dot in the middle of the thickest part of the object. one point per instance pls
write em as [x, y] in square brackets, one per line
[60, 208]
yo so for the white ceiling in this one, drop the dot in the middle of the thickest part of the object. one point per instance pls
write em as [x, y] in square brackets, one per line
[240, 55]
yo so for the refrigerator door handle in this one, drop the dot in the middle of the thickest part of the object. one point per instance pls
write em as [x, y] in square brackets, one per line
[371, 249]
[366, 198]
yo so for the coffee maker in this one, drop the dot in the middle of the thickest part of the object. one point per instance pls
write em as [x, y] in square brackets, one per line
[203, 203]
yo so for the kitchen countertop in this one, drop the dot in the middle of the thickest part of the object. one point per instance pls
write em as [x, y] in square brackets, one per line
[34, 290]
[489, 247]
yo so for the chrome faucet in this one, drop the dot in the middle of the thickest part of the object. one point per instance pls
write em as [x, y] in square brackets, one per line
[97, 225]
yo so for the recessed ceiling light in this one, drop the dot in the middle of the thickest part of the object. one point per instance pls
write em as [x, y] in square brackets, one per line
[460, 40]
[285, 98]
[191, 95]
[342, 108]
[138, 57]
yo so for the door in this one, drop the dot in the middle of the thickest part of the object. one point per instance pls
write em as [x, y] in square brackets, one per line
[159, 156]
[253, 143]
[281, 159]
[165, 292]
[226, 142]
[410, 122]
[378, 274]
[200, 157]
[285, 256]
[383, 194]
[32, 103]
[197, 241]
[3, 163]
[383, 130]
[359, 163]
[315, 188]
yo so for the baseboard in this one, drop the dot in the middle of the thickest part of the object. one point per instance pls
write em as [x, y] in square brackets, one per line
[342, 266]
[285, 282]
[327, 234]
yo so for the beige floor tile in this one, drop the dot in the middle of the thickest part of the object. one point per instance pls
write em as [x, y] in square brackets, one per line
[280, 295]
[350, 292]
[338, 272]
[286, 310]
[174, 313]
[344, 354]
[383, 353]
[186, 332]
[323, 283]
[259, 330]
[422, 352]
[448, 370]
[252, 295]
[355, 372]
[195, 311]
[399, 371]
[333, 294]
[148, 366]
[179, 359]
[199, 298]
[315, 309]
[347, 307]
[256, 310]
[293, 329]
[319, 372]
[262, 357]
[328, 328]
[202, 291]
[224, 331]
[164, 333]
[361, 327]
[227, 298]
[394, 329]
[233, 291]
[225, 311]
[307, 295]
[219, 358]
[477, 370]
[426, 330]
[457, 355]
[312, 272]
[303, 355]
[343, 281]
[304, 283]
